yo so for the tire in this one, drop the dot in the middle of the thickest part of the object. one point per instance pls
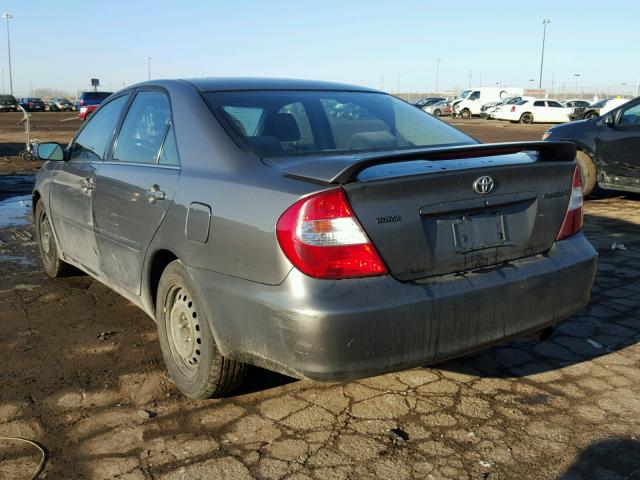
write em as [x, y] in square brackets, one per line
[526, 118]
[437, 113]
[590, 115]
[51, 263]
[466, 114]
[587, 172]
[190, 353]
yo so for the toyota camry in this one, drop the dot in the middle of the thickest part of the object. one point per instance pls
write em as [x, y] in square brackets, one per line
[321, 230]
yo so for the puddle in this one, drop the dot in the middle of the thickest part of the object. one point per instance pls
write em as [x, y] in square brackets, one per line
[19, 259]
[15, 211]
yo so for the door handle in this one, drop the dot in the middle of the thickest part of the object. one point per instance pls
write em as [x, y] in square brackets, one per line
[154, 193]
[87, 184]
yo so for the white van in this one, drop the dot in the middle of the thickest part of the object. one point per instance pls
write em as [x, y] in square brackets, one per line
[470, 101]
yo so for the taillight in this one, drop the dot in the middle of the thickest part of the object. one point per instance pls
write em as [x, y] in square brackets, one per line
[513, 109]
[572, 222]
[322, 238]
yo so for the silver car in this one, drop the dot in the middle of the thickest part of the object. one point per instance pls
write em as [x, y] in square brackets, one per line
[258, 225]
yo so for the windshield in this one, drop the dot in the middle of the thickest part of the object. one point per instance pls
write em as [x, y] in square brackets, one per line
[294, 123]
[465, 94]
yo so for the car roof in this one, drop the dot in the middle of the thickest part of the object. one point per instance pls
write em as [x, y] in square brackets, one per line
[247, 83]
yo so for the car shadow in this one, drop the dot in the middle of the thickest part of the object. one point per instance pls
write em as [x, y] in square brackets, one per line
[613, 458]
[609, 323]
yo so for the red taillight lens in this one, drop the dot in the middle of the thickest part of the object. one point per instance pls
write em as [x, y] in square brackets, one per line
[322, 238]
[513, 109]
[572, 222]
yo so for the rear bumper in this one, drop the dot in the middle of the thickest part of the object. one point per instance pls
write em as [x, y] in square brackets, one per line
[331, 330]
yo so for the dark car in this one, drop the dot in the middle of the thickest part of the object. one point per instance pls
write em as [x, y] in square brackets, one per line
[258, 227]
[8, 103]
[425, 102]
[32, 104]
[92, 98]
[608, 148]
[60, 105]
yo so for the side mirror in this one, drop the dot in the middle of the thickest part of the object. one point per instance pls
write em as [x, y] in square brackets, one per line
[49, 151]
[609, 120]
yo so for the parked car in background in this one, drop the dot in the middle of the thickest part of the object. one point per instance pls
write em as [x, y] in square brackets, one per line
[33, 104]
[60, 105]
[608, 148]
[535, 111]
[439, 109]
[576, 102]
[425, 102]
[597, 109]
[92, 98]
[490, 109]
[470, 101]
[257, 228]
[8, 103]
[86, 111]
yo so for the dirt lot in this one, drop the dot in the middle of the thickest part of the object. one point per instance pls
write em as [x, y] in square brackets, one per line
[81, 366]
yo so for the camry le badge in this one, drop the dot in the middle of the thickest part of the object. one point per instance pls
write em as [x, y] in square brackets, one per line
[483, 185]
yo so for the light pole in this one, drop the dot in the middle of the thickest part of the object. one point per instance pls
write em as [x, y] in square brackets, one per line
[149, 68]
[545, 22]
[577, 75]
[3, 80]
[438, 60]
[470, 75]
[7, 16]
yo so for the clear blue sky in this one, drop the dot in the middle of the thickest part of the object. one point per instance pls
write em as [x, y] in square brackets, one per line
[348, 41]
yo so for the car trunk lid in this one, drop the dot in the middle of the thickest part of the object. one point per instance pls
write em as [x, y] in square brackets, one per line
[427, 215]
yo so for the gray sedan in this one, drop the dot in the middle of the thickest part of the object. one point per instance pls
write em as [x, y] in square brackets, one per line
[256, 224]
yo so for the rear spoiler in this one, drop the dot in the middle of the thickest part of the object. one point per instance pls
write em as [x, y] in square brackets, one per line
[342, 169]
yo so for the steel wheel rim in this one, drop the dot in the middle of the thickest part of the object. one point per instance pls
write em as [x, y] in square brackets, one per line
[183, 331]
[45, 235]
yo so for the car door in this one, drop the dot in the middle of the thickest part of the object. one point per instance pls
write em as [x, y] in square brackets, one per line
[618, 144]
[134, 188]
[540, 111]
[557, 112]
[72, 183]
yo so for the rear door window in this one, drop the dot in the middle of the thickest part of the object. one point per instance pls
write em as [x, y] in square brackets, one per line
[538, 103]
[92, 142]
[143, 129]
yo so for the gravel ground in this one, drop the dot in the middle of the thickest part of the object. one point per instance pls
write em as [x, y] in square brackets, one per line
[82, 374]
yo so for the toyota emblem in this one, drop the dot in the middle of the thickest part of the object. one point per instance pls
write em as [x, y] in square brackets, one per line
[483, 185]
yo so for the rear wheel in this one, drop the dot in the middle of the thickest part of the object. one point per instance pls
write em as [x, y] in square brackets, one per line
[587, 172]
[51, 263]
[193, 360]
[526, 118]
[437, 112]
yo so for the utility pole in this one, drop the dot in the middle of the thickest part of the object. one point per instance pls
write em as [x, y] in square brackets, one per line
[577, 75]
[545, 22]
[3, 80]
[148, 68]
[638, 88]
[470, 75]
[7, 16]
[438, 60]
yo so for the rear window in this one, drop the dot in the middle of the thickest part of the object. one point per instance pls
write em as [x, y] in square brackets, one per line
[297, 123]
[96, 95]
